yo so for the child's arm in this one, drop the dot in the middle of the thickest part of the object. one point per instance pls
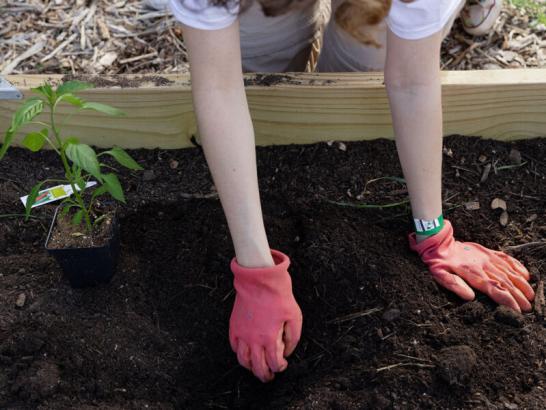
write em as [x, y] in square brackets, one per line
[265, 324]
[227, 136]
[412, 77]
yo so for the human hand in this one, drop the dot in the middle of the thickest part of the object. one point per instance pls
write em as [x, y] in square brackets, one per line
[456, 265]
[265, 324]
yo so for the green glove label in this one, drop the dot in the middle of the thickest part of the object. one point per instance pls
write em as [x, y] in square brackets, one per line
[428, 227]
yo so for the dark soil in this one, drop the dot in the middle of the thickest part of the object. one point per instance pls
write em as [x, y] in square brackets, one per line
[156, 336]
[123, 82]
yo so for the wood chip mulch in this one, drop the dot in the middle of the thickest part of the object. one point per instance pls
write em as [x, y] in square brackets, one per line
[105, 37]
[92, 37]
[517, 40]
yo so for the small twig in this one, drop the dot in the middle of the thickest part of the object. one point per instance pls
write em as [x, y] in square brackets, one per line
[412, 357]
[525, 245]
[198, 196]
[137, 58]
[59, 48]
[504, 167]
[353, 316]
[370, 206]
[389, 335]
[466, 169]
[228, 295]
[540, 303]
[392, 366]
[35, 49]
[525, 196]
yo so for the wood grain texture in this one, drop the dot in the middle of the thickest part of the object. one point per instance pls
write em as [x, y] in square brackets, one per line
[301, 108]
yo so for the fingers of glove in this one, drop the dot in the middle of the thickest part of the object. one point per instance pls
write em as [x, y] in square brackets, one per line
[259, 366]
[292, 334]
[243, 355]
[514, 264]
[501, 295]
[505, 282]
[453, 283]
[518, 281]
[479, 280]
[274, 354]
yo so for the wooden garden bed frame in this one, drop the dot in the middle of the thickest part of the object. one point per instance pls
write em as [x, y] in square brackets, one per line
[302, 108]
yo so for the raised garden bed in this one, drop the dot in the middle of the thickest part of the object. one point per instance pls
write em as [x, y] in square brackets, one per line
[298, 108]
[378, 333]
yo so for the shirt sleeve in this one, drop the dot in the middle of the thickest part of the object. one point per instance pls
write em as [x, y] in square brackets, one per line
[420, 18]
[202, 15]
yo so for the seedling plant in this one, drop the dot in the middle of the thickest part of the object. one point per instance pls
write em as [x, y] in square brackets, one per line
[80, 161]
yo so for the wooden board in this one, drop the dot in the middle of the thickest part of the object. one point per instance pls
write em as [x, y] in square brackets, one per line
[301, 108]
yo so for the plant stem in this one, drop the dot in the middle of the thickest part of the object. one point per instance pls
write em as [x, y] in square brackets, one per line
[68, 172]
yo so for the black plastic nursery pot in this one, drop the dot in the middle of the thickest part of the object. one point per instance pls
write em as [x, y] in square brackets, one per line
[85, 267]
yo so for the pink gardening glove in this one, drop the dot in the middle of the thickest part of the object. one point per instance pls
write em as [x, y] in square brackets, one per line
[265, 324]
[456, 265]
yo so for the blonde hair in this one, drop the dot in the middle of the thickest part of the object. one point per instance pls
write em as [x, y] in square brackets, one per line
[355, 16]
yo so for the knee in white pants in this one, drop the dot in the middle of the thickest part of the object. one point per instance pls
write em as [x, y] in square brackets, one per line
[342, 52]
[280, 43]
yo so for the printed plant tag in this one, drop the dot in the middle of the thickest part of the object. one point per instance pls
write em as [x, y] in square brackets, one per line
[53, 194]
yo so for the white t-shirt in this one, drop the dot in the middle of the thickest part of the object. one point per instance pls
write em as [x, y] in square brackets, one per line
[411, 21]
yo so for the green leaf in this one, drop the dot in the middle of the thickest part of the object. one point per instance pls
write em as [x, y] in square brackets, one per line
[26, 113]
[34, 141]
[98, 192]
[84, 157]
[99, 219]
[123, 158]
[72, 99]
[77, 218]
[106, 109]
[113, 186]
[67, 208]
[73, 86]
[46, 91]
[8, 137]
[32, 198]
[70, 140]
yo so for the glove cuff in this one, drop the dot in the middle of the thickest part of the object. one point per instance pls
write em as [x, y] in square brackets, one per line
[444, 238]
[282, 262]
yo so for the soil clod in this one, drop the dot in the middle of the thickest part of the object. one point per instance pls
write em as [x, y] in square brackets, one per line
[456, 363]
[472, 312]
[391, 315]
[148, 175]
[20, 301]
[508, 316]
[515, 157]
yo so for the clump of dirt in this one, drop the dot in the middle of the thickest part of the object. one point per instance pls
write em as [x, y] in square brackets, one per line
[472, 312]
[456, 364]
[378, 331]
[509, 317]
[268, 79]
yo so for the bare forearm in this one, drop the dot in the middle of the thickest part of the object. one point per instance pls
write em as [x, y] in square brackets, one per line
[413, 84]
[227, 136]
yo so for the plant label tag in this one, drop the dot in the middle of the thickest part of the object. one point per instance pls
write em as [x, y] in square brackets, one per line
[53, 194]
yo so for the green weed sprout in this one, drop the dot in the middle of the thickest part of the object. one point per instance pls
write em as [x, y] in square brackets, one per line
[80, 161]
